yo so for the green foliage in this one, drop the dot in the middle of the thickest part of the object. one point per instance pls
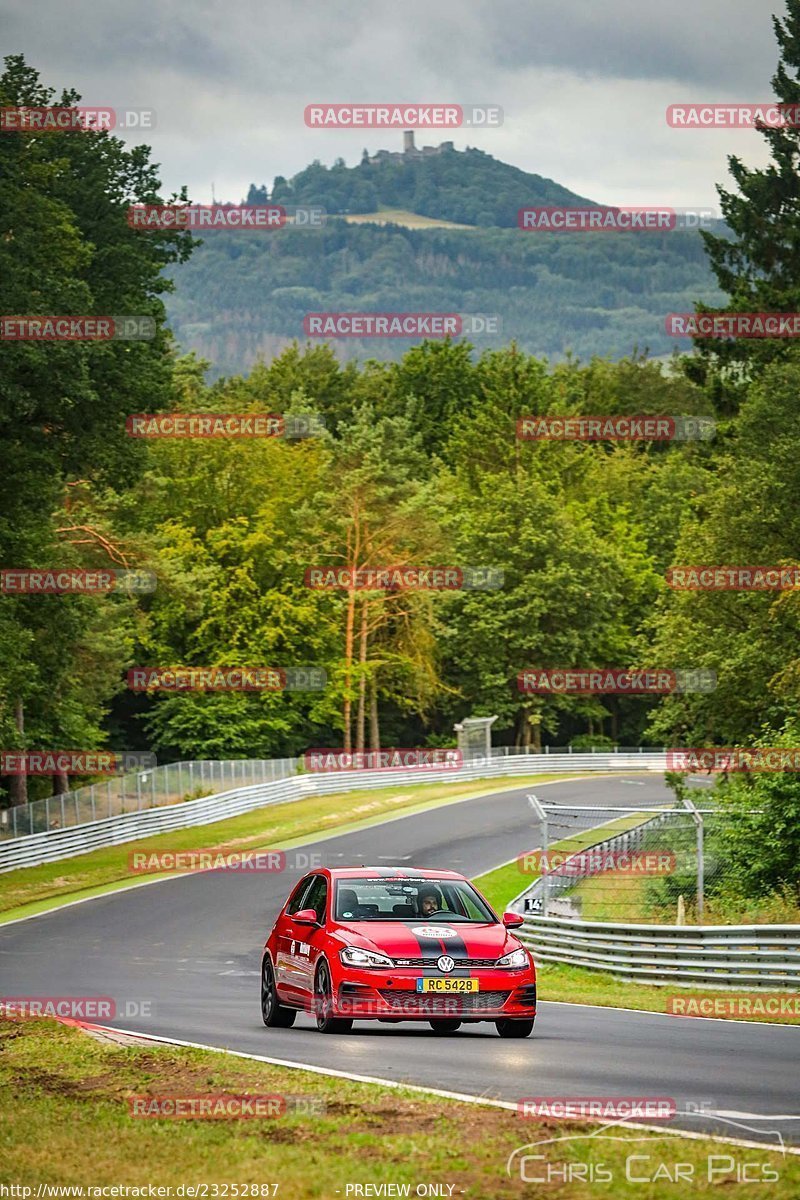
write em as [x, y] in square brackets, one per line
[66, 248]
[746, 513]
[759, 266]
[469, 187]
[245, 296]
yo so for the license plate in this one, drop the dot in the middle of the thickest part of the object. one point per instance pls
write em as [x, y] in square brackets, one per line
[447, 985]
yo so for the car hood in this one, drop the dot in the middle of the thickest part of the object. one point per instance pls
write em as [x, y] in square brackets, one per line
[421, 939]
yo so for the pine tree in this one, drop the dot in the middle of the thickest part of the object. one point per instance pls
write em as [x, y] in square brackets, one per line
[759, 267]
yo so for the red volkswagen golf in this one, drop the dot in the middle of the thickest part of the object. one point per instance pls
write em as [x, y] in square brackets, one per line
[367, 943]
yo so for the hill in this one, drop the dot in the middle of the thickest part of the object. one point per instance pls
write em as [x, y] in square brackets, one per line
[468, 187]
[244, 295]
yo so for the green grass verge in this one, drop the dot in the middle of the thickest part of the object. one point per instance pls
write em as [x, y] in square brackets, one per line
[614, 897]
[66, 1121]
[577, 985]
[29, 890]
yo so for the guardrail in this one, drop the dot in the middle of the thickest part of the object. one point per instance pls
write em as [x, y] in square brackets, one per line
[54, 844]
[173, 783]
[716, 955]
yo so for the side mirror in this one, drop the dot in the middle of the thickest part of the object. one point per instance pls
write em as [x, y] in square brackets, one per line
[513, 920]
[306, 916]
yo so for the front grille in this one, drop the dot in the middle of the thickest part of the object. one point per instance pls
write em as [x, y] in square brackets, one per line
[447, 1005]
[431, 962]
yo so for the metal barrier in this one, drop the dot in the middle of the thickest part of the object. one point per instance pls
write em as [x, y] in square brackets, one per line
[54, 844]
[715, 955]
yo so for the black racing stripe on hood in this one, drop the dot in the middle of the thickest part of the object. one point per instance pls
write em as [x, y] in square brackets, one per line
[433, 948]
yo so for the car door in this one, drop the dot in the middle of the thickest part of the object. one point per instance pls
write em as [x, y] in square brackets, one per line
[310, 939]
[285, 937]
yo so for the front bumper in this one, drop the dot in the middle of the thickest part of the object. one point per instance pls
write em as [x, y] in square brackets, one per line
[365, 995]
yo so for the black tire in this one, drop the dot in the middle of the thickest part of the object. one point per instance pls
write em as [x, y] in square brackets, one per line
[514, 1029]
[273, 1014]
[323, 1004]
[445, 1025]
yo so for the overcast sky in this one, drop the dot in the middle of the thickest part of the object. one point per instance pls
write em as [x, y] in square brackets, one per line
[584, 84]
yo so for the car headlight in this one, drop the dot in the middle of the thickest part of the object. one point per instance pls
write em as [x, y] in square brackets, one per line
[516, 958]
[354, 957]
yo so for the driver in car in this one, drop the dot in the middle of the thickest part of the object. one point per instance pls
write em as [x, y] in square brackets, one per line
[429, 901]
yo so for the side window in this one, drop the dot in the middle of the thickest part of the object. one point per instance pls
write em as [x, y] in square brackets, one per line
[317, 897]
[468, 905]
[299, 894]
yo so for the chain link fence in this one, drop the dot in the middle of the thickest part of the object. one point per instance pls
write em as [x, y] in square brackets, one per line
[173, 783]
[624, 864]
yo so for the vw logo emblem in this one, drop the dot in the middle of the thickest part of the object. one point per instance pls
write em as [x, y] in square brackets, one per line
[445, 963]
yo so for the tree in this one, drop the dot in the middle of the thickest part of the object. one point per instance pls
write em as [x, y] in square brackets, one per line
[67, 249]
[748, 513]
[378, 512]
[759, 267]
[257, 195]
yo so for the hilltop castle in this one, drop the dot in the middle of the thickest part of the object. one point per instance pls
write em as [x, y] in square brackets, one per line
[409, 150]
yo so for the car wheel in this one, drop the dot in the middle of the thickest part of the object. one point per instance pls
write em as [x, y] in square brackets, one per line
[511, 1028]
[323, 1004]
[273, 1014]
[445, 1025]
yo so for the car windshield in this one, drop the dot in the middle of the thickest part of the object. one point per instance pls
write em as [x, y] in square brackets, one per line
[384, 899]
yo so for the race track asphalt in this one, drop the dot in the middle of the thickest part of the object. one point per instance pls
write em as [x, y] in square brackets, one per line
[190, 947]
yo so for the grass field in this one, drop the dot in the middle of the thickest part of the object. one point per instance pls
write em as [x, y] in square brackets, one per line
[66, 1102]
[400, 216]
